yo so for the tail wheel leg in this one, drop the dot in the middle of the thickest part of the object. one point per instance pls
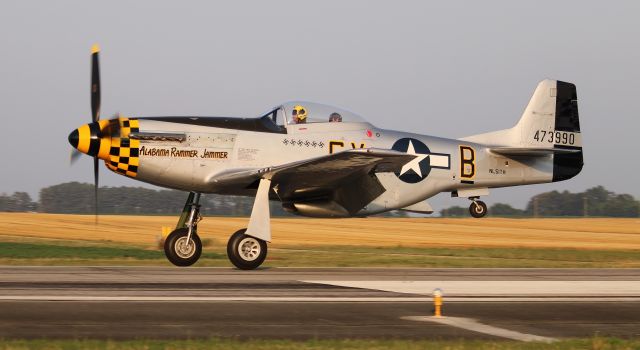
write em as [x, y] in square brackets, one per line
[183, 246]
[477, 209]
[246, 252]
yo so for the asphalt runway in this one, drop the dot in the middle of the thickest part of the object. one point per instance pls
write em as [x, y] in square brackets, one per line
[305, 303]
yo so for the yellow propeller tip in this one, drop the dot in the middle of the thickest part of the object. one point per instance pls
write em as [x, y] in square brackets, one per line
[95, 49]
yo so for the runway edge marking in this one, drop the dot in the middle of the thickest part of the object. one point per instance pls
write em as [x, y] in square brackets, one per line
[133, 298]
[475, 326]
[499, 288]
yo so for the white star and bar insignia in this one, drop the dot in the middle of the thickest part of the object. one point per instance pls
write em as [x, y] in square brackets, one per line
[436, 160]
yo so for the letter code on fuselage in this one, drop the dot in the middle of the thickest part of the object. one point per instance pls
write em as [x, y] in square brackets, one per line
[340, 144]
[467, 162]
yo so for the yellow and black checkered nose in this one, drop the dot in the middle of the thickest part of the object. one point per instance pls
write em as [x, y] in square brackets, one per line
[89, 139]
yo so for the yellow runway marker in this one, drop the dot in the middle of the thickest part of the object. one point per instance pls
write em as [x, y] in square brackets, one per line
[437, 302]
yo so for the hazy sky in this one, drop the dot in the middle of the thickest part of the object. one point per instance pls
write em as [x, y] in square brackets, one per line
[444, 68]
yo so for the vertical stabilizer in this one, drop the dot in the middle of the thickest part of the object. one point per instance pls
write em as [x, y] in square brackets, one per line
[551, 117]
[549, 123]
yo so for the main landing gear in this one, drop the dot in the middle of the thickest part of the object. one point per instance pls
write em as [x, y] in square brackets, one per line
[246, 252]
[246, 249]
[477, 209]
[183, 246]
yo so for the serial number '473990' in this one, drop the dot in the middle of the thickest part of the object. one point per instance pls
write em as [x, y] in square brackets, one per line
[557, 137]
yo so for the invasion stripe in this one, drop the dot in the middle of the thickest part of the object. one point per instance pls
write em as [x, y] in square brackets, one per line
[84, 136]
[94, 144]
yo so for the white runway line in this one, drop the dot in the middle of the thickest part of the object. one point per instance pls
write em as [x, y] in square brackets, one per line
[501, 288]
[428, 300]
[202, 298]
[472, 325]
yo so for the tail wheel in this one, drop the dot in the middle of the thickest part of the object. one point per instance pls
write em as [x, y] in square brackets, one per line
[246, 252]
[478, 209]
[180, 251]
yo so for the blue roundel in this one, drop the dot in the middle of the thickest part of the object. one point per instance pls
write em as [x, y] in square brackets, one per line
[417, 169]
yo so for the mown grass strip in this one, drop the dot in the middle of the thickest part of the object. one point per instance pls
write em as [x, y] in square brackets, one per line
[71, 253]
[16, 250]
[453, 257]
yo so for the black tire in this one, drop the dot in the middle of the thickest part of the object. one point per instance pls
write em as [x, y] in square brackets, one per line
[478, 209]
[246, 252]
[174, 244]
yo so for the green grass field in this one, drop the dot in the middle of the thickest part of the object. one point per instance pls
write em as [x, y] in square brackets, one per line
[596, 343]
[74, 253]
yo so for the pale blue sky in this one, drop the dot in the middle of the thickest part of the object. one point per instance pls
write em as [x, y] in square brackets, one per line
[445, 68]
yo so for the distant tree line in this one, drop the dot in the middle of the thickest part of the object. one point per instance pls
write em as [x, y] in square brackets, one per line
[78, 198]
[19, 201]
[596, 201]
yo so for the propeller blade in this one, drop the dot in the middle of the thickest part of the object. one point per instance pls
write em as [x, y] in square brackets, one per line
[73, 157]
[95, 84]
[95, 183]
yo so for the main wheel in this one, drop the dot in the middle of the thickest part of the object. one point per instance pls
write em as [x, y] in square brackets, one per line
[478, 209]
[246, 252]
[179, 251]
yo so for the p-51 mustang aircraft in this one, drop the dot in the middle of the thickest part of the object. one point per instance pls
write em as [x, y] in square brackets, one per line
[323, 161]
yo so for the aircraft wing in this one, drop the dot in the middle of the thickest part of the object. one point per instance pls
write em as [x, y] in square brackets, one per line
[345, 177]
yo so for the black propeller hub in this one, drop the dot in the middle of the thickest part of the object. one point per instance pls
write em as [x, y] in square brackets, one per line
[74, 138]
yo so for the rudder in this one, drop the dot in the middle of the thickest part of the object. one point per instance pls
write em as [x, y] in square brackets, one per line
[566, 166]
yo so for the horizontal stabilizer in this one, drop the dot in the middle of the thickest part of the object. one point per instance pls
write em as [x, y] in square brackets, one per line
[534, 152]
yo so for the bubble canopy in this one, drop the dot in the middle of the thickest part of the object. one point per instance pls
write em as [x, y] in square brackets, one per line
[303, 112]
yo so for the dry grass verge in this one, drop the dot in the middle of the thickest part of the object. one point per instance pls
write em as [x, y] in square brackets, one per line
[578, 233]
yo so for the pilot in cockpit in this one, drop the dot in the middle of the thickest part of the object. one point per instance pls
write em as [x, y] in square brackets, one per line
[335, 117]
[299, 114]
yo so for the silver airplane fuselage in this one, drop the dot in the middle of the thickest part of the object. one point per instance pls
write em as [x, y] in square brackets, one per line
[207, 151]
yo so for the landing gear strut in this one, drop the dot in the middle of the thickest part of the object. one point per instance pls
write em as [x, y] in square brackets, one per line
[477, 209]
[247, 248]
[183, 246]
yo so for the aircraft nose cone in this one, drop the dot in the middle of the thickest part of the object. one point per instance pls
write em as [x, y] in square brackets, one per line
[74, 138]
[88, 140]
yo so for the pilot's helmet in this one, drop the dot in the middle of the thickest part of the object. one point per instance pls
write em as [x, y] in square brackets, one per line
[299, 114]
[335, 117]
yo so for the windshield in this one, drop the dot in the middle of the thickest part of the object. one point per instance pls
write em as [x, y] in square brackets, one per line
[275, 115]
